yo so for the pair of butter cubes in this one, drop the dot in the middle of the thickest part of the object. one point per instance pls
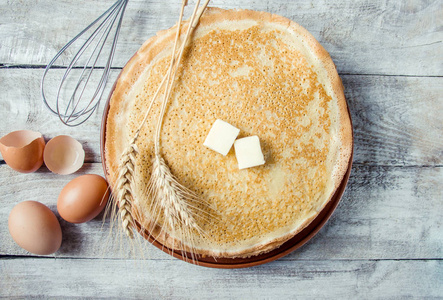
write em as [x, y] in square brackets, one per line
[247, 150]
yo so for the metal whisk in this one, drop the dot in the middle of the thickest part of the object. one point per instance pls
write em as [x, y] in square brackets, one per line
[73, 102]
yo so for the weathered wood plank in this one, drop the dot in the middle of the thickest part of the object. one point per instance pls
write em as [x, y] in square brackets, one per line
[21, 107]
[155, 279]
[381, 37]
[386, 213]
[397, 120]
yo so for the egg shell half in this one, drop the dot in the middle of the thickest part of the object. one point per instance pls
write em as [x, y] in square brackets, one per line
[35, 228]
[23, 150]
[64, 155]
[83, 198]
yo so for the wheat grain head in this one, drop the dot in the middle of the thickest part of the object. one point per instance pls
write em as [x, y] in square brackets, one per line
[123, 197]
[177, 208]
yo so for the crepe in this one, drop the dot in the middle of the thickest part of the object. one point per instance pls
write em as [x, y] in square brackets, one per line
[265, 75]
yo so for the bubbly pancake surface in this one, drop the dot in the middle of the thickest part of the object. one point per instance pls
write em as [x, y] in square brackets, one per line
[268, 77]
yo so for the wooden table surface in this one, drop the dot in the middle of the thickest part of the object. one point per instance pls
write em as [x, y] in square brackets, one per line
[385, 239]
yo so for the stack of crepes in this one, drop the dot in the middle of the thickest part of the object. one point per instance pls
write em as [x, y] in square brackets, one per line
[265, 75]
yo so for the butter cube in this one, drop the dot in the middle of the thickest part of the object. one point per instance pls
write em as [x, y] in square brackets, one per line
[248, 152]
[221, 137]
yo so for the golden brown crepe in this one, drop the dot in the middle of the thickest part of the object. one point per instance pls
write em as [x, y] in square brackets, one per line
[265, 75]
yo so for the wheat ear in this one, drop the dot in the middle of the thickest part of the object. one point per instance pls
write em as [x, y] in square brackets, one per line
[178, 205]
[125, 180]
[164, 190]
[176, 201]
[124, 196]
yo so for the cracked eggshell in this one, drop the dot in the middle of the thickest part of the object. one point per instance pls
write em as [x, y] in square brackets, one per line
[64, 155]
[23, 150]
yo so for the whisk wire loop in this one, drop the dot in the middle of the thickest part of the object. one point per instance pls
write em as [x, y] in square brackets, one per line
[77, 108]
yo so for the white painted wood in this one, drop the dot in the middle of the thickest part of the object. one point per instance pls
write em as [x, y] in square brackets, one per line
[397, 120]
[383, 241]
[376, 37]
[386, 213]
[160, 279]
[21, 107]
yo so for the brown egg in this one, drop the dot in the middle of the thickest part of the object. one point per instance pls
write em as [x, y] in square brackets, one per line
[35, 228]
[64, 155]
[83, 198]
[22, 150]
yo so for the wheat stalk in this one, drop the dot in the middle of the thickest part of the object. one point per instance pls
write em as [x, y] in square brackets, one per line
[164, 190]
[174, 195]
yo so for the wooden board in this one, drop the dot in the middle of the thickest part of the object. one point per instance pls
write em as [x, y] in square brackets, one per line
[363, 37]
[385, 238]
[164, 279]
